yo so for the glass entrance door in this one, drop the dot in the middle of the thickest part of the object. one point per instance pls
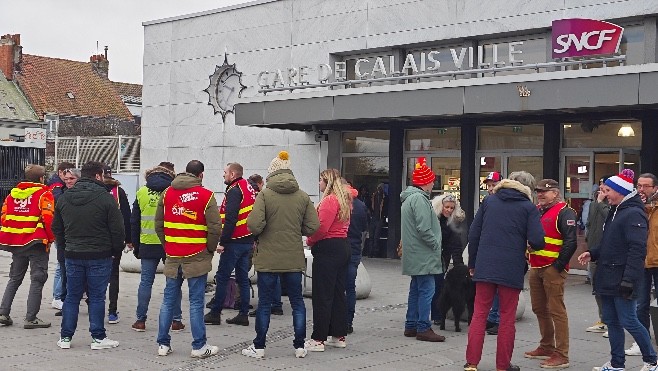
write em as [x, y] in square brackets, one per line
[506, 163]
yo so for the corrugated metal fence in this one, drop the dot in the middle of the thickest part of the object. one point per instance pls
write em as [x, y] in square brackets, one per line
[13, 161]
[120, 152]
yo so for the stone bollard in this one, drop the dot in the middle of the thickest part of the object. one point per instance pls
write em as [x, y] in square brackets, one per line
[129, 263]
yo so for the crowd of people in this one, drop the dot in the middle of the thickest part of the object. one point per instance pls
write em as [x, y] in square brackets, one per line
[84, 214]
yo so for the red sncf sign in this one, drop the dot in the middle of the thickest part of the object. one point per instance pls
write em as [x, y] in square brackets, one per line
[579, 37]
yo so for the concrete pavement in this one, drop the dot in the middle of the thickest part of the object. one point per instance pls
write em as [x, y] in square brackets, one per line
[377, 342]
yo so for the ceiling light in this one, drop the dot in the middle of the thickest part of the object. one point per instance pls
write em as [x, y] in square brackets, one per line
[626, 131]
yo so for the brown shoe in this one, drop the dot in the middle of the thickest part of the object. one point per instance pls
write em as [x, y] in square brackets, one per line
[538, 353]
[556, 361]
[430, 335]
[139, 326]
[177, 326]
[410, 332]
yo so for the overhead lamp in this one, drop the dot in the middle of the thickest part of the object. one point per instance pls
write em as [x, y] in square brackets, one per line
[626, 131]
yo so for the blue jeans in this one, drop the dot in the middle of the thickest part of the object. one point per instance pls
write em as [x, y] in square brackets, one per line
[644, 297]
[235, 256]
[421, 290]
[350, 286]
[494, 315]
[92, 275]
[620, 314]
[57, 283]
[149, 267]
[172, 294]
[438, 284]
[266, 287]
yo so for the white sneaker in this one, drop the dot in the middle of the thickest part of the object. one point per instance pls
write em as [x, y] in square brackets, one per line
[598, 327]
[336, 342]
[605, 334]
[164, 350]
[634, 350]
[64, 343]
[301, 352]
[608, 367]
[253, 352]
[314, 345]
[103, 344]
[205, 351]
[57, 304]
[649, 367]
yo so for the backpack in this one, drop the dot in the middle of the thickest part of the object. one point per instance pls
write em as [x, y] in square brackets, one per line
[231, 290]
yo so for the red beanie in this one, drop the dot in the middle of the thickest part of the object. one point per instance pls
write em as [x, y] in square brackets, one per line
[422, 175]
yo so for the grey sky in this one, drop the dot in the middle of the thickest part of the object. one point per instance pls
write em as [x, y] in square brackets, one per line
[69, 29]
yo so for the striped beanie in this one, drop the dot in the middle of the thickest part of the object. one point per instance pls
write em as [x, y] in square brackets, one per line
[422, 174]
[622, 182]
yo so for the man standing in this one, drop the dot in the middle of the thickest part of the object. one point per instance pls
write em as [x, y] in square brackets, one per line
[282, 214]
[57, 186]
[548, 272]
[493, 319]
[620, 257]
[236, 244]
[647, 187]
[146, 244]
[90, 227]
[598, 212]
[27, 216]
[113, 186]
[188, 226]
[421, 257]
[358, 226]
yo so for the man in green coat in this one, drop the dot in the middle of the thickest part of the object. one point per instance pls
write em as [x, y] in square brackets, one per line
[421, 252]
[281, 214]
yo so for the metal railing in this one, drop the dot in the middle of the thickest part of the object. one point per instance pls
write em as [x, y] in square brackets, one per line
[13, 161]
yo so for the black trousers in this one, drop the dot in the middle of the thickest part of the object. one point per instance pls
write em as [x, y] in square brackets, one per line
[114, 286]
[330, 259]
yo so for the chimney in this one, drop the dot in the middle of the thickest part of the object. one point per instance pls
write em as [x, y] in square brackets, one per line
[10, 54]
[100, 64]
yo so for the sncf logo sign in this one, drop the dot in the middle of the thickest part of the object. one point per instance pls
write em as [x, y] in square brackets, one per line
[579, 37]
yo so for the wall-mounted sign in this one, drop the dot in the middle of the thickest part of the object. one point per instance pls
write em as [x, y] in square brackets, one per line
[35, 135]
[225, 88]
[578, 37]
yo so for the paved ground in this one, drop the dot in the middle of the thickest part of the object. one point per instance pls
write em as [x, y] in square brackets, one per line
[377, 342]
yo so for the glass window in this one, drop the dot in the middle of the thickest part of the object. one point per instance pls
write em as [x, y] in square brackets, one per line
[433, 139]
[366, 172]
[511, 137]
[448, 174]
[366, 141]
[602, 134]
[532, 50]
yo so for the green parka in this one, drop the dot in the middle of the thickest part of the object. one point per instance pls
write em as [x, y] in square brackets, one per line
[281, 215]
[421, 234]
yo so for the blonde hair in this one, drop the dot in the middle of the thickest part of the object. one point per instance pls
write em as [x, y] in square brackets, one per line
[458, 215]
[335, 187]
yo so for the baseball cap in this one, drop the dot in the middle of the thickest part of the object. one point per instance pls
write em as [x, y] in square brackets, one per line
[547, 184]
[493, 176]
[107, 171]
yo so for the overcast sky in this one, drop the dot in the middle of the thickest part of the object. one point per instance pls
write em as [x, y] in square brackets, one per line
[69, 29]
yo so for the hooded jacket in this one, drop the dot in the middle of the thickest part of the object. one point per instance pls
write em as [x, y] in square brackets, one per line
[24, 190]
[620, 255]
[282, 213]
[506, 222]
[88, 223]
[124, 205]
[199, 264]
[56, 185]
[421, 234]
[156, 181]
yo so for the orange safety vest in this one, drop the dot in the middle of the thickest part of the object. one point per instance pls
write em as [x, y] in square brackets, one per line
[553, 239]
[23, 223]
[246, 205]
[185, 228]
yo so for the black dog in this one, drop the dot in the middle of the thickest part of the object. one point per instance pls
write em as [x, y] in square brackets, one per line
[458, 294]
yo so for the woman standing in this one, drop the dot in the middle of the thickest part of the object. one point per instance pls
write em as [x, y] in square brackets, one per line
[331, 254]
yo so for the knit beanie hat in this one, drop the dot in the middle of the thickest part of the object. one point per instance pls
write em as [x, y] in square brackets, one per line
[422, 175]
[279, 162]
[622, 182]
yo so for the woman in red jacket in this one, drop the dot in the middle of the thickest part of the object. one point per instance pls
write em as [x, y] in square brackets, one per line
[331, 254]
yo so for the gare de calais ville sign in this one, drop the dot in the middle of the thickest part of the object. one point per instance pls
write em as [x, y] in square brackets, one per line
[571, 38]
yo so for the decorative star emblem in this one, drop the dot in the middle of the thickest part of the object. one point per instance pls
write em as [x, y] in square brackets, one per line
[225, 88]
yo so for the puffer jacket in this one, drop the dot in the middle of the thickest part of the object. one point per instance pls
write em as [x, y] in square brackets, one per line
[421, 234]
[620, 255]
[281, 214]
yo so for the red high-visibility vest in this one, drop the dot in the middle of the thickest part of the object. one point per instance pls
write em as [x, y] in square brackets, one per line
[185, 228]
[553, 239]
[23, 223]
[247, 204]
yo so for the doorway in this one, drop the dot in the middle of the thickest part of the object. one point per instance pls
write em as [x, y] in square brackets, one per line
[506, 163]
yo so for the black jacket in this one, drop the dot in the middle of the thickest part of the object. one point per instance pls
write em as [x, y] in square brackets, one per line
[566, 224]
[620, 255]
[233, 199]
[124, 205]
[358, 225]
[155, 182]
[451, 244]
[88, 223]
